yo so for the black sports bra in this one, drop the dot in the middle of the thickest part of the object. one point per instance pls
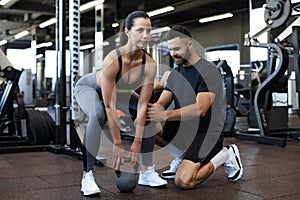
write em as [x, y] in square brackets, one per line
[121, 85]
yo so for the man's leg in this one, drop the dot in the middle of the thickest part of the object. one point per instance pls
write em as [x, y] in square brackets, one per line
[190, 174]
[233, 166]
[193, 172]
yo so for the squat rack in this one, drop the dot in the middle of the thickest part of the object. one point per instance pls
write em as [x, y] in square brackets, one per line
[61, 109]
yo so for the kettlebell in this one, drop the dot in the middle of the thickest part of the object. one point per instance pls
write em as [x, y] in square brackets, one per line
[127, 181]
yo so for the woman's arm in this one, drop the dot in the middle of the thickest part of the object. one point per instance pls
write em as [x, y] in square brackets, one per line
[145, 95]
[108, 88]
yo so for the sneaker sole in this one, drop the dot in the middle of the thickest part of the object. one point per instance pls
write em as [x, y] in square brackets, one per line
[90, 193]
[151, 185]
[239, 174]
[168, 175]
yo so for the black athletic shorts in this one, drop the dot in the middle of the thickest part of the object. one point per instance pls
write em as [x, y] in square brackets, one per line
[170, 130]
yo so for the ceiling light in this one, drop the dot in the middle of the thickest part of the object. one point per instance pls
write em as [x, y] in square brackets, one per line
[90, 5]
[39, 56]
[44, 44]
[3, 2]
[99, 7]
[159, 30]
[87, 46]
[160, 11]
[216, 17]
[3, 42]
[114, 25]
[47, 23]
[21, 34]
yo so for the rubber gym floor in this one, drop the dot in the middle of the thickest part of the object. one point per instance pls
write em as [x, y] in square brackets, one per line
[270, 172]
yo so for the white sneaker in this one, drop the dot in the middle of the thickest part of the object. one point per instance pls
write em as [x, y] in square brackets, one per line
[233, 167]
[170, 173]
[88, 184]
[151, 178]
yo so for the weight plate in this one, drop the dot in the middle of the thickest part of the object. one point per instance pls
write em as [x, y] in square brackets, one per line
[277, 12]
[37, 128]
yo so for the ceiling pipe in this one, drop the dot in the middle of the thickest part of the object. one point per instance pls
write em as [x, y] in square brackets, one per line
[22, 12]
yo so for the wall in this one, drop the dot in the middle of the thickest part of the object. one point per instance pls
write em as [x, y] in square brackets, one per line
[223, 32]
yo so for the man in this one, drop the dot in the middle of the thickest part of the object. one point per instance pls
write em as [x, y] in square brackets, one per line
[193, 128]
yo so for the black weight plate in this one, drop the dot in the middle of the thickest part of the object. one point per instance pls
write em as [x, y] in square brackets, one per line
[277, 12]
[49, 124]
[30, 126]
[37, 129]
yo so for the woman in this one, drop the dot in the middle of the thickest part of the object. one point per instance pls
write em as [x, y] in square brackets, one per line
[100, 94]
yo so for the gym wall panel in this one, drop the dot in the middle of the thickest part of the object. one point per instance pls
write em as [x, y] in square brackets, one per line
[223, 32]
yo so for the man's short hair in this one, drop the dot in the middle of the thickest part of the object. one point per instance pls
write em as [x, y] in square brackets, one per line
[178, 31]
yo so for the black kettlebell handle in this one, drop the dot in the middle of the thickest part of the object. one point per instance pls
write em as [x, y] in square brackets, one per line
[127, 160]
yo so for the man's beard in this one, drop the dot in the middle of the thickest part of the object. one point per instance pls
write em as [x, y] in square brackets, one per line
[182, 60]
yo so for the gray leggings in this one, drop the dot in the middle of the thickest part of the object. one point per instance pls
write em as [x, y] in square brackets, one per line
[89, 101]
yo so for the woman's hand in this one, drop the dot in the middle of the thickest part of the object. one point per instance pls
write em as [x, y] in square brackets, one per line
[118, 156]
[135, 150]
[155, 112]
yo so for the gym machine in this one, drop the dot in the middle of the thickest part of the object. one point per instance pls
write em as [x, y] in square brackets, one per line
[277, 14]
[19, 125]
[228, 80]
[58, 128]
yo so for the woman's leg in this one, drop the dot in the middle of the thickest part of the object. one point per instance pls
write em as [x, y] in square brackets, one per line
[147, 175]
[147, 145]
[89, 101]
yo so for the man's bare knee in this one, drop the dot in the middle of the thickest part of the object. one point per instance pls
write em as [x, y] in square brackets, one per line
[184, 183]
[186, 173]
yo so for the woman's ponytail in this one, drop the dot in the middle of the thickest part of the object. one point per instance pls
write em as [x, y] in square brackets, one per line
[123, 37]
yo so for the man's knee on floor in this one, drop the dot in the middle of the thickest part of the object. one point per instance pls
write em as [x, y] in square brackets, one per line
[183, 182]
[186, 174]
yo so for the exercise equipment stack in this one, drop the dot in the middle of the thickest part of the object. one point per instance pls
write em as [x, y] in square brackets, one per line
[277, 15]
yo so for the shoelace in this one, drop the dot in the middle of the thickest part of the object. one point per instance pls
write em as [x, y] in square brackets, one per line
[89, 178]
[152, 172]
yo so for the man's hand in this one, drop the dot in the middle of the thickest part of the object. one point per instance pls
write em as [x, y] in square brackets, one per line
[155, 113]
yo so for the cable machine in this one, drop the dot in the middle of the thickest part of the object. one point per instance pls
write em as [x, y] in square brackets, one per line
[277, 13]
